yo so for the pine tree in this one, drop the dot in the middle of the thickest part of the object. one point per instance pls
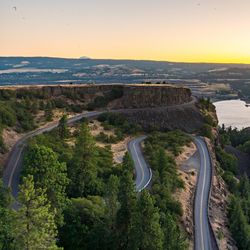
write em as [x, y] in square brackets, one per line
[48, 112]
[127, 199]
[35, 225]
[173, 237]
[49, 174]
[63, 128]
[238, 225]
[83, 169]
[147, 231]
[6, 219]
[111, 198]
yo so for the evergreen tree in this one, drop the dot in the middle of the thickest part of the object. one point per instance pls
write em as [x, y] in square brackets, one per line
[83, 169]
[238, 225]
[6, 219]
[84, 226]
[127, 199]
[147, 232]
[35, 225]
[49, 174]
[244, 187]
[63, 128]
[173, 238]
[48, 112]
[111, 198]
[2, 145]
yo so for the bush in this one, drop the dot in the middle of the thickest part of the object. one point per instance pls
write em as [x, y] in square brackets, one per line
[2, 146]
[7, 115]
[227, 161]
[120, 123]
[172, 141]
[231, 181]
[206, 131]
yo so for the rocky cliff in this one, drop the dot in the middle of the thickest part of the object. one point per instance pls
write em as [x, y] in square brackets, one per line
[130, 96]
[162, 107]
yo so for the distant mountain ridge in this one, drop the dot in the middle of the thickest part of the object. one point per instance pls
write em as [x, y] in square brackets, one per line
[52, 70]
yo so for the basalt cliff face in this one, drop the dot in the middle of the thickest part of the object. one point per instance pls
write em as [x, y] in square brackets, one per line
[162, 107]
[143, 96]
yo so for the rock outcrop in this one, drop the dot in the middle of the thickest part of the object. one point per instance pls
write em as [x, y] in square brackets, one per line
[162, 107]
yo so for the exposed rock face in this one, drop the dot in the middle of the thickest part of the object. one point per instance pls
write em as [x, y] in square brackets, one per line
[162, 107]
[133, 96]
[187, 118]
[141, 96]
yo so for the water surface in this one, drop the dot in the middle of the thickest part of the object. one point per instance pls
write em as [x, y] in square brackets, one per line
[233, 113]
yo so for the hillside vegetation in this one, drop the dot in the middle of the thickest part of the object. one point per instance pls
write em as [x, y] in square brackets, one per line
[90, 202]
[239, 186]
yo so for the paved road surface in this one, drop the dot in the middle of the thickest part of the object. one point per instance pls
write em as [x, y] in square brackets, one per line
[203, 236]
[143, 171]
[14, 163]
[13, 167]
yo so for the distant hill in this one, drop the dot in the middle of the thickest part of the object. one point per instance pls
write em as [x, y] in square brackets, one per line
[197, 76]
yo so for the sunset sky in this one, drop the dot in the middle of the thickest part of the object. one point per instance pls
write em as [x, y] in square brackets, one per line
[169, 30]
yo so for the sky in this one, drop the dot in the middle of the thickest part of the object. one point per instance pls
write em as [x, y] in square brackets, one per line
[166, 30]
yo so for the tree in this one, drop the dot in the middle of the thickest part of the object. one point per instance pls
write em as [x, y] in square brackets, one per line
[48, 112]
[238, 224]
[111, 198]
[63, 128]
[35, 225]
[244, 187]
[83, 169]
[84, 226]
[206, 130]
[173, 238]
[147, 231]
[49, 174]
[2, 145]
[127, 199]
[6, 219]
[227, 161]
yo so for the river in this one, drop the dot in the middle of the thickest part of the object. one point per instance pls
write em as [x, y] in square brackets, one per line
[233, 113]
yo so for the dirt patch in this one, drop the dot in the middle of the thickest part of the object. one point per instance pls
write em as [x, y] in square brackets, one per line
[96, 128]
[188, 173]
[187, 152]
[118, 149]
[10, 136]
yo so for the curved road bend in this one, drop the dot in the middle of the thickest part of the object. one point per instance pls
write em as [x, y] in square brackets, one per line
[203, 234]
[13, 167]
[143, 171]
[203, 239]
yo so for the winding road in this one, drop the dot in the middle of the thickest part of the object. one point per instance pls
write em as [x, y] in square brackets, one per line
[14, 163]
[204, 239]
[143, 171]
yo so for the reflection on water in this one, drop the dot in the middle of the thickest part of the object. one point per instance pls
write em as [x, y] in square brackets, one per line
[233, 113]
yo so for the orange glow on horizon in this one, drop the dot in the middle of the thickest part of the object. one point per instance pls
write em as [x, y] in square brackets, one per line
[176, 31]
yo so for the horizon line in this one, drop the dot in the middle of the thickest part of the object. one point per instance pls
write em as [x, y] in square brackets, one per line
[122, 59]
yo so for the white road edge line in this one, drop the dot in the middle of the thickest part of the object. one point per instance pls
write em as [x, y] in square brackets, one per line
[139, 165]
[202, 195]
